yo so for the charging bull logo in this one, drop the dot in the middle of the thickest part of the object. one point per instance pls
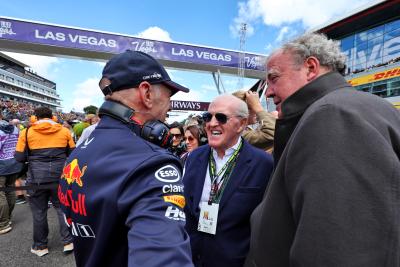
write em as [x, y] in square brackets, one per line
[72, 173]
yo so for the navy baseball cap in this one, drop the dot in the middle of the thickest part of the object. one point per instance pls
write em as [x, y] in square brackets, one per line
[130, 68]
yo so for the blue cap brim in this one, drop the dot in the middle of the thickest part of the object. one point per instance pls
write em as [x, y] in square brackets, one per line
[175, 87]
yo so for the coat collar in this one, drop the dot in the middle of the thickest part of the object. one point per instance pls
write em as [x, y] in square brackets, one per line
[295, 105]
[298, 102]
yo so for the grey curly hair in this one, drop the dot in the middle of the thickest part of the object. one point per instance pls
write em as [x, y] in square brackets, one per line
[317, 45]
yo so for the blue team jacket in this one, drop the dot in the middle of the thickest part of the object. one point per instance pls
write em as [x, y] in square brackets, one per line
[123, 201]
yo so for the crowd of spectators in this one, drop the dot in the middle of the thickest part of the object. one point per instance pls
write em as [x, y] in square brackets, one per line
[376, 66]
[16, 110]
[12, 109]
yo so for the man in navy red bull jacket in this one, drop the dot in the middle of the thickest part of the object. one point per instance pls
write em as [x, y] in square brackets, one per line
[120, 190]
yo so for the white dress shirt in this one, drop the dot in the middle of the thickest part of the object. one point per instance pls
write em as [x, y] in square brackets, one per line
[219, 162]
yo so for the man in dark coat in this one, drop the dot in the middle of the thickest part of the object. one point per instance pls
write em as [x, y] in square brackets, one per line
[333, 199]
[224, 181]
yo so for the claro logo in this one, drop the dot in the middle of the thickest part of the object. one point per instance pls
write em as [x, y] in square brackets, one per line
[167, 174]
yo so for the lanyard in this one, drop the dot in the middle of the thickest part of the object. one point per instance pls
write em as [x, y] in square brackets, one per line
[218, 187]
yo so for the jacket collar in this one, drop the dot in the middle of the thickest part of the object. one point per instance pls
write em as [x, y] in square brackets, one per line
[298, 102]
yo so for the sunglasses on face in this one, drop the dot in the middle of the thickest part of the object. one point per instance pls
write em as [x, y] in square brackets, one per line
[189, 139]
[220, 117]
[176, 135]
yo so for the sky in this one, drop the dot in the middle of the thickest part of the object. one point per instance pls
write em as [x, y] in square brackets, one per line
[204, 23]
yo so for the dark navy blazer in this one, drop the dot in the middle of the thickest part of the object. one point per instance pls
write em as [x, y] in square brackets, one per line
[244, 191]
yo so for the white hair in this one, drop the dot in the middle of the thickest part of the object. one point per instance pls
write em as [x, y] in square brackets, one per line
[240, 107]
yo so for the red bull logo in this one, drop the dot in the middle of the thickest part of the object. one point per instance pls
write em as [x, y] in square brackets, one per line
[75, 202]
[72, 173]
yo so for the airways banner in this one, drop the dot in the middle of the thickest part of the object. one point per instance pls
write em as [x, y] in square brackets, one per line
[189, 105]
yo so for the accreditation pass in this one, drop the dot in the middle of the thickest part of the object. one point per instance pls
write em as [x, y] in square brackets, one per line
[208, 218]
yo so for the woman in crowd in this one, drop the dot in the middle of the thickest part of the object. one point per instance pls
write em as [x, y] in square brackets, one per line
[195, 136]
[178, 145]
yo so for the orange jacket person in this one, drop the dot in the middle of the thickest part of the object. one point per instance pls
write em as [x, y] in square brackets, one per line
[45, 145]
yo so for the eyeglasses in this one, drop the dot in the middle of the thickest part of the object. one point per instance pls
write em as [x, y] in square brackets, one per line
[221, 117]
[189, 139]
[176, 135]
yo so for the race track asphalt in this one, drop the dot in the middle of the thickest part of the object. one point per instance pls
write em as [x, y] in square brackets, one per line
[15, 245]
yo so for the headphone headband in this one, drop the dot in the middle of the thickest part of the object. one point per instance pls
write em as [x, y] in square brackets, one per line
[153, 131]
[117, 110]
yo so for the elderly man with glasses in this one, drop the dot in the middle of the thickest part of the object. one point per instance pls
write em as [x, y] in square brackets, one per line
[224, 181]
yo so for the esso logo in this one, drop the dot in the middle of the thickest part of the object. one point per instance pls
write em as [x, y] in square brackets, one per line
[168, 174]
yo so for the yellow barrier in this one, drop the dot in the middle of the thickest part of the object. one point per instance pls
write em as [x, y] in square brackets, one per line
[378, 76]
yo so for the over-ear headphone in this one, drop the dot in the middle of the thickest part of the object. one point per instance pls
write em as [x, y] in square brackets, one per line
[154, 131]
[33, 119]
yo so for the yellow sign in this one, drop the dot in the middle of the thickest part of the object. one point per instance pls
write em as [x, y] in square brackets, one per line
[378, 76]
[178, 200]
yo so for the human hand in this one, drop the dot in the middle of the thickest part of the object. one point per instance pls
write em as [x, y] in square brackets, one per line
[253, 102]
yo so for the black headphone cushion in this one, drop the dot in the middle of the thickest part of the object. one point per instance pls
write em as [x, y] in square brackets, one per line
[154, 131]
[157, 133]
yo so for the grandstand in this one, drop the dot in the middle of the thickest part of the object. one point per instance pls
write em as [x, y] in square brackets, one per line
[19, 86]
[370, 37]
